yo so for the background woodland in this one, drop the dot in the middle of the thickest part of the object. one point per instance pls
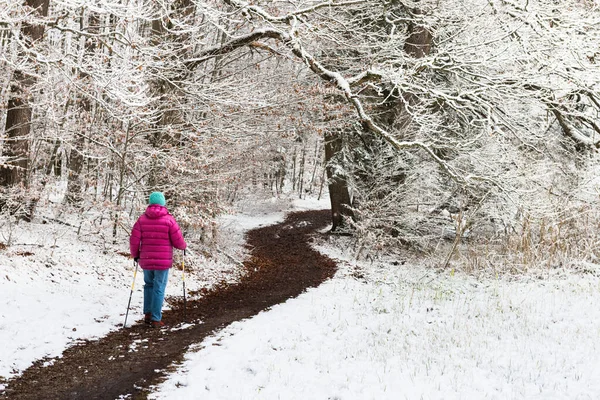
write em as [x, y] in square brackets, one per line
[471, 123]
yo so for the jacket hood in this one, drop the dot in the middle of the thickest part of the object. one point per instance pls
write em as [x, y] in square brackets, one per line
[155, 211]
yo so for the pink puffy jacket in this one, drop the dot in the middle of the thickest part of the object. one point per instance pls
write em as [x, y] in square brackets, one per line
[153, 237]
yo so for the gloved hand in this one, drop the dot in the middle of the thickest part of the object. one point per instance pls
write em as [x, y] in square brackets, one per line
[136, 259]
[188, 252]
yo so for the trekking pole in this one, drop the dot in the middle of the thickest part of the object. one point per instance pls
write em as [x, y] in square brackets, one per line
[183, 279]
[132, 286]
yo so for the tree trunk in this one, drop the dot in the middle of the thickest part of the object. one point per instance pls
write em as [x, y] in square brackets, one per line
[339, 195]
[168, 114]
[74, 185]
[301, 171]
[18, 117]
[18, 126]
[315, 166]
[76, 160]
[54, 166]
[418, 45]
[419, 40]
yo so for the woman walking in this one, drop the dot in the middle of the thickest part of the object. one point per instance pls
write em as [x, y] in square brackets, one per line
[151, 243]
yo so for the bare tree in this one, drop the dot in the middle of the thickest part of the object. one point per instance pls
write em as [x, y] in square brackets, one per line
[19, 115]
[424, 107]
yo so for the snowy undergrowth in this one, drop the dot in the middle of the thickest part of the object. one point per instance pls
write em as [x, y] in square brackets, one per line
[56, 290]
[405, 332]
[59, 287]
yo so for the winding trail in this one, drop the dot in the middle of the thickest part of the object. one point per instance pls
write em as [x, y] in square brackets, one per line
[129, 361]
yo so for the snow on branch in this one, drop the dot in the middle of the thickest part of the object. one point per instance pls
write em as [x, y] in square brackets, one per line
[231, 45]
[344, 84]
[563, 114]
[246, 8]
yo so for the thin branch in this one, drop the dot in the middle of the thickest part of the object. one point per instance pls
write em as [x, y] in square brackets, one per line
[334, 77]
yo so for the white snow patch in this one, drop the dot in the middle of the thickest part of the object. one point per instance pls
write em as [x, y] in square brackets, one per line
[59, 288]
[408, 333]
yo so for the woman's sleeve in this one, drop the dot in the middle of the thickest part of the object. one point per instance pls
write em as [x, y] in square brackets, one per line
[135, 239]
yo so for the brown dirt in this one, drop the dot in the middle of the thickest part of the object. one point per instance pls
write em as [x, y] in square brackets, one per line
[281, 266]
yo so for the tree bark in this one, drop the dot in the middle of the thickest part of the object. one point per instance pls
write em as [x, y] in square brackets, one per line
[419, 40]
[76, 160]
[19, 115]
[339, 195]
[54, 166]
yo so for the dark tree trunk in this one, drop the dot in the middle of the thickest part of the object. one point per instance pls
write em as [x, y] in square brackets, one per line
[18, 126]
[418, 43]
[18, 117]
[339, 194]
[55, 164]
[76, 160]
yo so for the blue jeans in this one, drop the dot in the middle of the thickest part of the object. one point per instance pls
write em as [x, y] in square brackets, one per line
[155, 282]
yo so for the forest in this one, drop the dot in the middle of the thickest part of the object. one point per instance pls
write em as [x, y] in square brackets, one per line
[472, 122]
[380, 199]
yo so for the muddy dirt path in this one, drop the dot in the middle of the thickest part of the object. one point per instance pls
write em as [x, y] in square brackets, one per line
[128, 361]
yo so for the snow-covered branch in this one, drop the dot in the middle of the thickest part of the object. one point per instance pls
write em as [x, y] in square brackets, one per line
[247, 8]
[231, 45]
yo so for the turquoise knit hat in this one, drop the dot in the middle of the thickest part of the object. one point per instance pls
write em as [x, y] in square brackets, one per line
[157, 198]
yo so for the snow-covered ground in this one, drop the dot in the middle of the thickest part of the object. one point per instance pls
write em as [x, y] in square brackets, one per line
[408, 333]
[399, 331]
[57, 287]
